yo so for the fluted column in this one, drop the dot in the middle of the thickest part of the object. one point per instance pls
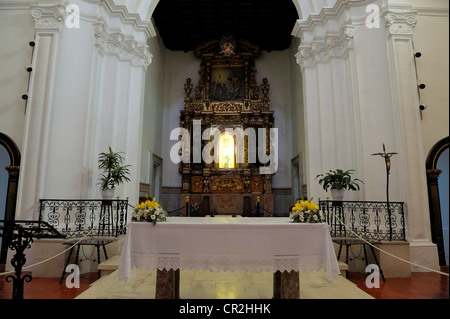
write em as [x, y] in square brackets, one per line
[86, 94]
[331, 127]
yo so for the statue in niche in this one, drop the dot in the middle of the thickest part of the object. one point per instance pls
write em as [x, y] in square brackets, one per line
[188, 87]
[265, 88]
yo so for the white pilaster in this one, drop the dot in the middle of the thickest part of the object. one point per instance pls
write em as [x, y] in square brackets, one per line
[400, 25]
[49, 21]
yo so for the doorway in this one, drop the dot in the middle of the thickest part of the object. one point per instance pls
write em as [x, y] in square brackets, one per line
[156, 182]
[438, 190]
[4, 161]
[442, 164]
[9, 178]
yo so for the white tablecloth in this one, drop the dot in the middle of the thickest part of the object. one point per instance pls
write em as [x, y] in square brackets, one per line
[228, 244]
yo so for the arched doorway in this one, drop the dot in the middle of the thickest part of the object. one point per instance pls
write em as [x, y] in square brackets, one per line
[437, 176]
[9, 177]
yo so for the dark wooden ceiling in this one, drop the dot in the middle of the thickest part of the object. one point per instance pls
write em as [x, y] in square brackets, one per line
[185, 24]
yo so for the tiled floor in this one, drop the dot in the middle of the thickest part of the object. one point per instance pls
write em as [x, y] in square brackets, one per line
[419, 286]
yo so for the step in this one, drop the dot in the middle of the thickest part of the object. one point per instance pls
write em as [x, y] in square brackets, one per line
[109, 266]
[112, 264]
[343, 267]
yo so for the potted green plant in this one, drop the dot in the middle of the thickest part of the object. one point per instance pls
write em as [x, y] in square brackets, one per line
[114, 172]
[339, 180]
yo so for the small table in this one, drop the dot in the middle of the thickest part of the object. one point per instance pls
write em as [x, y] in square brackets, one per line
[86, 242]
[348, 242]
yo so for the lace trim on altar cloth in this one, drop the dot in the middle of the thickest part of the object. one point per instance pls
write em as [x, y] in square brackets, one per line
[227, 263]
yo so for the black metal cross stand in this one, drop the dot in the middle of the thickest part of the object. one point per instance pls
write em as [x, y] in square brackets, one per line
[387, 158]
[19, 235]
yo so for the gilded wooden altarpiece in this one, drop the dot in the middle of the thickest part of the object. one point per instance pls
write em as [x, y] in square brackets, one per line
[227, 96]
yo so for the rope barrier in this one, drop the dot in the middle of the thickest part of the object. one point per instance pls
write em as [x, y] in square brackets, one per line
[387, 253]
[74, 245]
[58, 254]
[173, 211]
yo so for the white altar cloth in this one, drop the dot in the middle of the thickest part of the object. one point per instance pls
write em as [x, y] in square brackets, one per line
[228, 244]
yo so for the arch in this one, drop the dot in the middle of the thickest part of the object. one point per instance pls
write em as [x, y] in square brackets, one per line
[435, 152]
[433, 196]
[11, 193]
[145, 8]
[12, 149]
[305, 8]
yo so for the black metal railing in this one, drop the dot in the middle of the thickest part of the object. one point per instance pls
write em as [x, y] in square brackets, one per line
[369, 220]
[78, 218]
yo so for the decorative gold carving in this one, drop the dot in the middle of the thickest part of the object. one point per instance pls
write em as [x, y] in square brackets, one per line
[188, 87]
[227, 46]
[265, 89]
[247, 182]
[257, 185]
[433, 174]
[227, 107]
[226, 185]
[206, 184]
[196, 184]
[13, 170]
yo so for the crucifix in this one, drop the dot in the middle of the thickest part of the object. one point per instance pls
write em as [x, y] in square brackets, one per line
[387, 158]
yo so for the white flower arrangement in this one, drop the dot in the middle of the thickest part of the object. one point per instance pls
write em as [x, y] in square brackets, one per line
[306, 212]
[149, 211]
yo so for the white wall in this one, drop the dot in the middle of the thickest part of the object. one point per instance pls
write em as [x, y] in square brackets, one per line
[297, 119]
[275, 66]
[16, 31]
[153, 109]
[431, 39]
[178, 67]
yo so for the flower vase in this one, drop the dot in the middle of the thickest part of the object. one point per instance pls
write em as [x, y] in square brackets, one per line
[337, 194]
[108, 193]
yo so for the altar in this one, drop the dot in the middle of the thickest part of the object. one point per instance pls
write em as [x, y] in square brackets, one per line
[272, 244]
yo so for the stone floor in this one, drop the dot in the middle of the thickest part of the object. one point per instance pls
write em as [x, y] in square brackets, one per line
[221, 285]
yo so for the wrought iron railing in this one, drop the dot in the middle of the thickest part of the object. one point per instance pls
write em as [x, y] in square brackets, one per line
[78, 218]
[369, 220]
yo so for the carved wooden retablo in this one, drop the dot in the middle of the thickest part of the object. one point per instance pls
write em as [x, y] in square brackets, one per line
[227, 99]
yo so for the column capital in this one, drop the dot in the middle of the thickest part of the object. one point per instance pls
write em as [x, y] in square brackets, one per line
[126, 48]
[321, 50]
[400, 22]
[13, 170]
[433, 174]
[49, 17]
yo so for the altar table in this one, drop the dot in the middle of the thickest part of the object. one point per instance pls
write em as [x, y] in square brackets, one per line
[272, 244]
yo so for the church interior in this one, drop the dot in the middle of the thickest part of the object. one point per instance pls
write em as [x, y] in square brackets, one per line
[219, 122]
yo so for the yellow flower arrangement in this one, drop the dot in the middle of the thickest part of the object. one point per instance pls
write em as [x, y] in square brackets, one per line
[150, 211]
[306, 212]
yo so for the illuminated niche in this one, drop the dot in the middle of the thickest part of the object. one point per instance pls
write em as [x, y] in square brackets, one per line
[226, 151]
